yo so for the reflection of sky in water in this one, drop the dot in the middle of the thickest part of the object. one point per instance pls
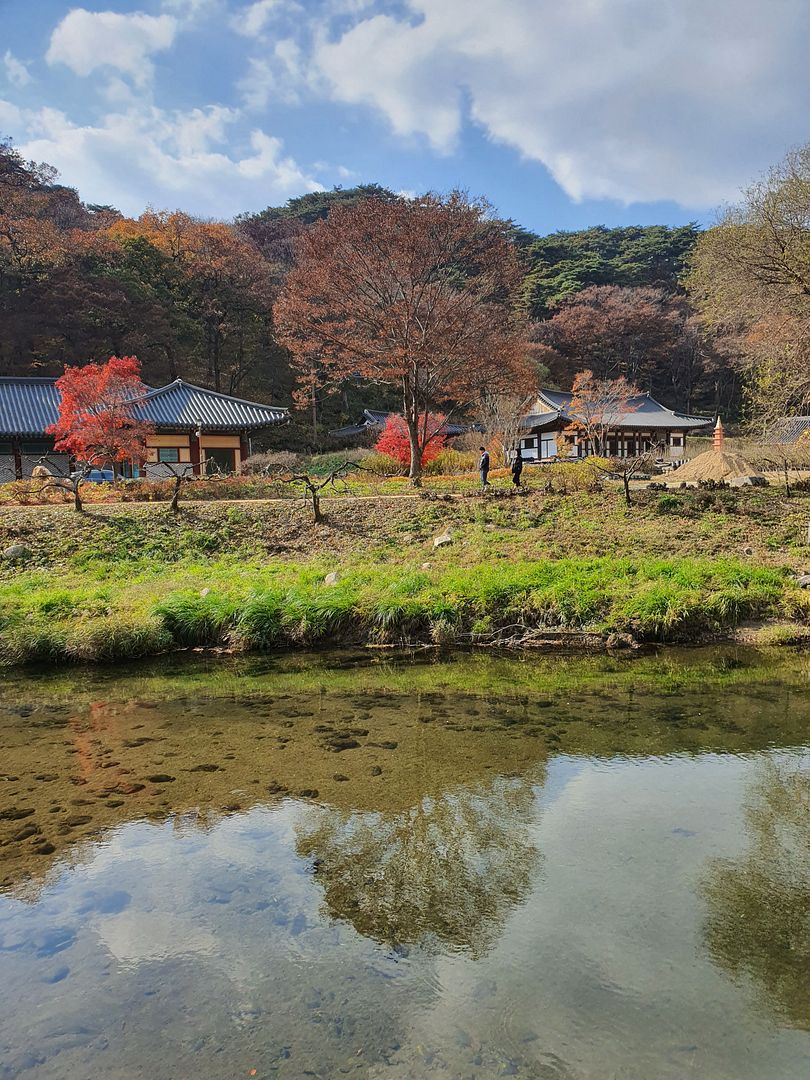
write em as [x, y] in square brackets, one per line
[170, 950]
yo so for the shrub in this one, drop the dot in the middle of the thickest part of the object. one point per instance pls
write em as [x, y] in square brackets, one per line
[449, 462]
[395, 442]
[324, 464]
[383, 465]
[258, 464]
[668, 504]
[564, 477]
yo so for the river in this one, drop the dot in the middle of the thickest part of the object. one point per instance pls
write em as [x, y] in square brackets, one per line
[403, 867]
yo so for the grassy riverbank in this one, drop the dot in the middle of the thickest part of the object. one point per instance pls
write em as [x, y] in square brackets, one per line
[136, 580]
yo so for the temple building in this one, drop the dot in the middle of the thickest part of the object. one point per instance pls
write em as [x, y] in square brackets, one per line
[194, 429]
[645, 425]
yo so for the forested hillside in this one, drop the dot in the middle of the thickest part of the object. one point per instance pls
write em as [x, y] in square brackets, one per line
[565, 263]
[195, 298]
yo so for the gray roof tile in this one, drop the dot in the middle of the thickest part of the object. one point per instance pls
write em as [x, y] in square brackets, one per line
[644, 412]
[183, 405]
[29, 405]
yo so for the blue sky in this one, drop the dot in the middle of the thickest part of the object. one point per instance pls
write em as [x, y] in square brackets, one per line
[563, 114]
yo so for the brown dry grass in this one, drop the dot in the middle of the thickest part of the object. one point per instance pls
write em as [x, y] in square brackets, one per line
[715, 465]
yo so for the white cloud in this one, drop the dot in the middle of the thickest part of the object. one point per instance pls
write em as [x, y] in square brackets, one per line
[88, 40]
[16, 71]
[398, 69]
[11, 118]
[276, 77]
[189, 9]
[149, 156]
[625, 99]
[252, 20]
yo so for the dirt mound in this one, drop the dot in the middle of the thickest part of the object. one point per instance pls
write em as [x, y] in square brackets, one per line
[714, 465]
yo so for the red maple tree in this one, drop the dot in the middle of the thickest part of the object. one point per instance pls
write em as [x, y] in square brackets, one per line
[396, 443]
[97, 423]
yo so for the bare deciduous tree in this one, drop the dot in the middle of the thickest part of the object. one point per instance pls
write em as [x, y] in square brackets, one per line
[313, 486]
[597, 407]
[751, 281]
[780, 449]
[71, 481]
[629, 469]
[502, 417]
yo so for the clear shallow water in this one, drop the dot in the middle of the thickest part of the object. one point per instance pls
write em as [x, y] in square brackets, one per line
[584, 869]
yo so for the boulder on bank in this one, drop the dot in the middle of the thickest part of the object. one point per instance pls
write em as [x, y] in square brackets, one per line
[17, 553]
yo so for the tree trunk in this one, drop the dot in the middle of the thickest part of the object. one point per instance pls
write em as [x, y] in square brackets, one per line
[788, 492]
[316, 506]
[77, 498]
[174, 505]
[415, 471]
[626, 482]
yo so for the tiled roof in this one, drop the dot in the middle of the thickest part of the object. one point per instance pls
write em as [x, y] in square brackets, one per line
[375, 417]
[183, 405]
[644, 412]
[29, 406]
[538, 420]
[792, 428]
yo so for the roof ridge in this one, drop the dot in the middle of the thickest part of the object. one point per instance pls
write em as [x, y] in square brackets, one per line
[30, 378]
[207, 390]
[233, 397]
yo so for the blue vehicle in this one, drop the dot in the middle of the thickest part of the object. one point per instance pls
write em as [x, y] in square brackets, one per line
[101, 476]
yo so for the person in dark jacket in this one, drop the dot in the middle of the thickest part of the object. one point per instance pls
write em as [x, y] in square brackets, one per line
[483, 467]
[517, 468]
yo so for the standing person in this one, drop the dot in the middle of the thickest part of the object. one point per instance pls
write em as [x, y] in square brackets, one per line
[483, 467]
[517, 467]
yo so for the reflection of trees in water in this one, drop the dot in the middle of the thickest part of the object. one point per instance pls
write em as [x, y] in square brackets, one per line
[759, 905]
[450, 868]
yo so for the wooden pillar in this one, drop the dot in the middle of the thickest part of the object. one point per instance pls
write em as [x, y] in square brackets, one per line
[194, 452]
